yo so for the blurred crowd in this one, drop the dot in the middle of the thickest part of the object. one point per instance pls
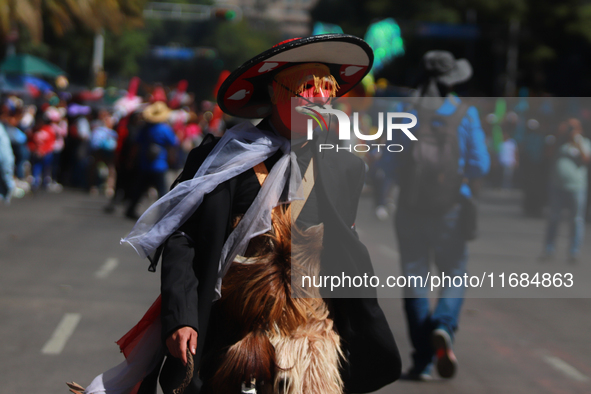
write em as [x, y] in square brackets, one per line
[526, 138]
[66, 140]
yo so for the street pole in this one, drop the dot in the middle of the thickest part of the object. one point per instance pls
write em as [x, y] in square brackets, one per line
[98, 55]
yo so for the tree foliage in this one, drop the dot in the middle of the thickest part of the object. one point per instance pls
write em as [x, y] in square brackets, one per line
[62, 16]
[550, 31]
[237, 42]
[63, 32]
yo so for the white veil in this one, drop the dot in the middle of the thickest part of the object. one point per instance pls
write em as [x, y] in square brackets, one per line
[240, 149]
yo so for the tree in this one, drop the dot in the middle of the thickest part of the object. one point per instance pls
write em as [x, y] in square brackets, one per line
[554, 37]
[63, 32]
[237, 42]
[62, 16]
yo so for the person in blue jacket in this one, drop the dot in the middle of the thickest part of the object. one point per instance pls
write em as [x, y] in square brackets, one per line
[153, 143]
[423, 234]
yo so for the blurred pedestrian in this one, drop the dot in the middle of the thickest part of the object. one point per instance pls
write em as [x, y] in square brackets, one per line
[152, 144]
[41, 144]
[12, 111]
[125, 164]
[508, 159]
[568, 188]
[76, 147]
[55, 117]
[380, 176]
[535, 124]
[6, 166]
[435, 213]
[103, 142]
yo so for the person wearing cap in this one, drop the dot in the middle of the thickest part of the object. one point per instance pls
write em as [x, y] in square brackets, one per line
[153, 142]
[40, 144]
[195, 220]
[6, 166]
[423, 233]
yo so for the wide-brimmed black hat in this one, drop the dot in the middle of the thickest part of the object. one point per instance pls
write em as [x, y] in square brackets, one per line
[245, 92]
[443, 66]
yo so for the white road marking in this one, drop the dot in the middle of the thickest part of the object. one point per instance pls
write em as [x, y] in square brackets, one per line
[107, 268]
[566, 368]
[62, 333]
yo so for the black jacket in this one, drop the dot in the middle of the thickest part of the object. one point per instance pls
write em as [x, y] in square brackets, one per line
[190, 264]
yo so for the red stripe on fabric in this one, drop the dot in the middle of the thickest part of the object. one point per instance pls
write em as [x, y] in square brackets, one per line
[136, 387]
[128, 341]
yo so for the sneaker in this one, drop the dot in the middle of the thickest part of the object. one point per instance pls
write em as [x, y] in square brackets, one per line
[447, 364]
[22, 185]
[382, 213]
[17, 192]
[418, 376]
[55, 187]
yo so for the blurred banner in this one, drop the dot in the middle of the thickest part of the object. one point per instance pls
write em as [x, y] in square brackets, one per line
[326, 28]
[385, 40]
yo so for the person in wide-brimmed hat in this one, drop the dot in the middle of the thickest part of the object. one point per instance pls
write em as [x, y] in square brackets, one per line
[153, 143]
[223, 200]
[157, 112]
[436, 215]
[442, 71]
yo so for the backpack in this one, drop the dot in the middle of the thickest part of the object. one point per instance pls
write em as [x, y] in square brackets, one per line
[430, 178]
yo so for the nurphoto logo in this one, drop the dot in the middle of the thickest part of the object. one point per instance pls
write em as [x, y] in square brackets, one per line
[393, 122]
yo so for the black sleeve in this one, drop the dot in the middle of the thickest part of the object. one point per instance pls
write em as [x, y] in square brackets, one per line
[190, 259]
[189, 270]
[179, 279]
[178, 285]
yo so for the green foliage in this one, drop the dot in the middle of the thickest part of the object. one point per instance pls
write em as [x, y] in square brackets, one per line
[26, 45]
[237, 42]
[550, 31]
[384, 38]
[435, 11]
[123, 50]
[540, 53]
[581, 22]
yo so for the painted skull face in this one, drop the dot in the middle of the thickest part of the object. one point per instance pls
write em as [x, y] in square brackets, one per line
[302, 82]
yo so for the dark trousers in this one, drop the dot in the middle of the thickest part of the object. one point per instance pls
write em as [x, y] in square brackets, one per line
[421, 237]
[145, 180]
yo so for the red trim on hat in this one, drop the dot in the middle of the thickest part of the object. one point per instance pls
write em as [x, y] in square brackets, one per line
[286, 41]
[248, 84]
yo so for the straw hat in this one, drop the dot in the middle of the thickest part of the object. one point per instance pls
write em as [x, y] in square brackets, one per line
[157, 112]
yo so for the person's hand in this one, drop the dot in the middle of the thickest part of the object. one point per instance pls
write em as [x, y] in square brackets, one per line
[179, 340]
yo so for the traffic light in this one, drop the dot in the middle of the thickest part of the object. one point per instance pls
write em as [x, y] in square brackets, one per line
[225, 14]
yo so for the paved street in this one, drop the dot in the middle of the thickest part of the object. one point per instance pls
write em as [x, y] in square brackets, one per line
[68, 290]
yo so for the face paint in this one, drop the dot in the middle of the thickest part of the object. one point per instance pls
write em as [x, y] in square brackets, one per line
[303, 81]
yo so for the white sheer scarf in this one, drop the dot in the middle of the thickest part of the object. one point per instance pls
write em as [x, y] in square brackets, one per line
[240, 149]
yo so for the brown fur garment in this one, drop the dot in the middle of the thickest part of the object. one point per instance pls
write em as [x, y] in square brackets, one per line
[288, 344]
